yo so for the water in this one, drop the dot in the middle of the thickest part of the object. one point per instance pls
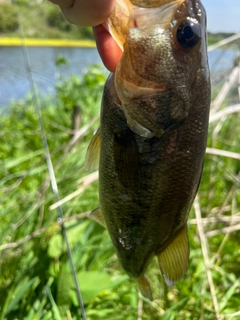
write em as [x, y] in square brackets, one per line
[14, 82]
[222, 59]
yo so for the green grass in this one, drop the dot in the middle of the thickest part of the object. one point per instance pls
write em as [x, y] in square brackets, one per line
[35, 278]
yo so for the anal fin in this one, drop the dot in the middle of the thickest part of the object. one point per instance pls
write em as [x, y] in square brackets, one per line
[93, 153]
[97, 216]
[173, 261]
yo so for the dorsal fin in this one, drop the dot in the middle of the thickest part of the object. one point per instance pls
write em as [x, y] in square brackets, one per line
[93, 153]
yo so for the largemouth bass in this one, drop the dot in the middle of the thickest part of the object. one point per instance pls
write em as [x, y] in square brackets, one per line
[152, 137]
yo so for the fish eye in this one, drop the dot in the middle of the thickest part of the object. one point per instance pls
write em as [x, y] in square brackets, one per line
[188, 34]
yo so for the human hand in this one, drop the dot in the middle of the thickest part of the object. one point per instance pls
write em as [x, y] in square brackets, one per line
[108, 49]
[94, 13]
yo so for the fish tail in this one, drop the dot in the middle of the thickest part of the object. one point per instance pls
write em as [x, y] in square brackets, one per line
[144, 287]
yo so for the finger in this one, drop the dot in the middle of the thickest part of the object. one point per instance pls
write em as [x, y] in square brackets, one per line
[86, 12]
[108, 49]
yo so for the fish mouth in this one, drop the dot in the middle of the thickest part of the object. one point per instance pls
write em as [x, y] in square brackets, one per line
[152, 3]
[160, 16]
[131, 15]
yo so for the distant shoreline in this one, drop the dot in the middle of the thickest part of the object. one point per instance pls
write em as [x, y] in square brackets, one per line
[8, 42]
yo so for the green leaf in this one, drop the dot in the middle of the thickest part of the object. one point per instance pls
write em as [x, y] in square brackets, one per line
[55, 247]
[75, 232]
[120, 279]
[64, 289]
[91, 284]
[228, 295]
[61, 60]
[56, 311]
[10, 163]
[19, 292]
[177, 306]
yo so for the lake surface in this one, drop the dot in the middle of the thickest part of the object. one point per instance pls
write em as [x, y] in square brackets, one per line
[14, 83]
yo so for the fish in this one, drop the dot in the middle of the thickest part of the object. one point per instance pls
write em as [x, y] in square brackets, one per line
[150, 146]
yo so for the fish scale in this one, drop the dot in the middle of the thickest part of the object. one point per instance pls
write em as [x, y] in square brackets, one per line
[153, 131]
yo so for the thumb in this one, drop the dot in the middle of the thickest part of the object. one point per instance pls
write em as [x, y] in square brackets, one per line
[108, 49]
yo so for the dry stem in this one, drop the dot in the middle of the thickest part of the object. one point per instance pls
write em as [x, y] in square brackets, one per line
[205, 256]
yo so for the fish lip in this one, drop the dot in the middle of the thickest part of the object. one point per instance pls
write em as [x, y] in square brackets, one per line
[155, 17]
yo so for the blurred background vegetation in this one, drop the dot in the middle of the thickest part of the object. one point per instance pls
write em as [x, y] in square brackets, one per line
[38, 20]
[50, 23]
[35, 278]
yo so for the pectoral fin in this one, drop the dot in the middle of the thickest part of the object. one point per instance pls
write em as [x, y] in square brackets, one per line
[97, 216]
[137, 127]
[173, 261]
[93, 153]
